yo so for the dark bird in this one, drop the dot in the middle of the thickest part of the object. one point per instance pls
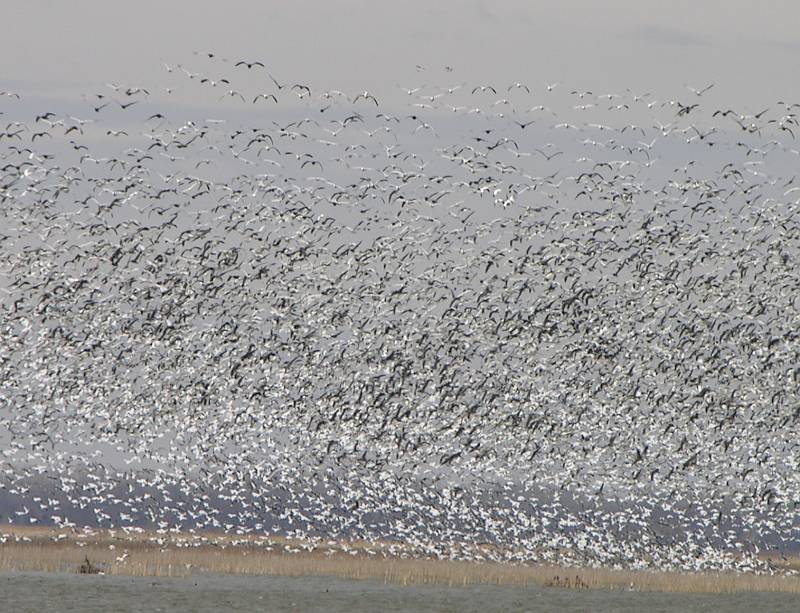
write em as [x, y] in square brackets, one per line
[265, 97]
[365, 96]
[248, 64]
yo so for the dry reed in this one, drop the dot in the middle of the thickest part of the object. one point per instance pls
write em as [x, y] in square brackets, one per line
[147, 554]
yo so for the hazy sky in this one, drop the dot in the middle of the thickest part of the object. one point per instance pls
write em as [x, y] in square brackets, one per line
[749, 49]
[60, 54]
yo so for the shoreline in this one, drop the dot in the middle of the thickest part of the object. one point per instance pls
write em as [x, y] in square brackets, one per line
[182, 554]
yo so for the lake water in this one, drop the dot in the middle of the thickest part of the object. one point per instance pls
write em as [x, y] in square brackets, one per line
[63, 592]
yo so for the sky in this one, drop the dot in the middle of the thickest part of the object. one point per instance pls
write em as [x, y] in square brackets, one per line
[748, 49]
[58, 55]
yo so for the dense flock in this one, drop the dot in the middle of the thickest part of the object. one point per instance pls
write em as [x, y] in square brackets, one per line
[518, 321]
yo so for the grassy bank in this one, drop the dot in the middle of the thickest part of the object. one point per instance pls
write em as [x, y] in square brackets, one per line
[150, 554]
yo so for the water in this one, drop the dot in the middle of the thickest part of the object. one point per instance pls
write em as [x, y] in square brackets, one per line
[21, 592]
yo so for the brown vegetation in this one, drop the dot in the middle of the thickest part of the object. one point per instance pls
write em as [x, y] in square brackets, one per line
[149, 554]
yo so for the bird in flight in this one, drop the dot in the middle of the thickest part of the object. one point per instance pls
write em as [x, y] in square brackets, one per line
[248, 64]
[303, 90]
[232, 93]
[366, 96]
[411, 91]
[519, 86]
[700, 92]
[265, 97]
[484, 88]
[278, 85]
[213, 82]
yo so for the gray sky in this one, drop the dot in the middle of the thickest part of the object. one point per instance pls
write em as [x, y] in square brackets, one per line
[749, 49]
[60, 57]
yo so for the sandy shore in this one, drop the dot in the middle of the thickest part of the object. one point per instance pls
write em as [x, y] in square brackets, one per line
[181, 554]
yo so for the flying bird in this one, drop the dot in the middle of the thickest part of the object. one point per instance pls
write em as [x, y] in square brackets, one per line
[265, 97]
[701, 91]
[365, 96]
[248, 64]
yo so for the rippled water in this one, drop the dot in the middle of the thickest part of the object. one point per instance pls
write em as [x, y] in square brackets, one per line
[63, 592]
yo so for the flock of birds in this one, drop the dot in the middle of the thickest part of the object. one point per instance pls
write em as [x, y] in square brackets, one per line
[554, 324]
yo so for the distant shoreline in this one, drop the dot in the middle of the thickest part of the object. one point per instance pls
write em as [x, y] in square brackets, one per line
[114, 552]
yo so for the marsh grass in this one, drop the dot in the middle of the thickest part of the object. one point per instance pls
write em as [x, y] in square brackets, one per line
[147, 554]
